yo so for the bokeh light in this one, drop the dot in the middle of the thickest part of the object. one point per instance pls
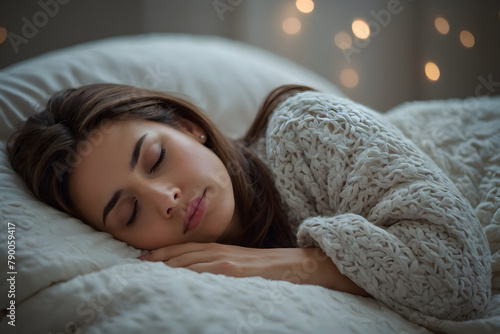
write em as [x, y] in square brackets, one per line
[291, 25]
[3, 34]
[360, 29]
[467, 38]
[305, 6]
[349, 78]
[432, 71]
[343, 40]
[442, 25]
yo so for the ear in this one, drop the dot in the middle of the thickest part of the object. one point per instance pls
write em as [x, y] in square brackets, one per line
[193, 129]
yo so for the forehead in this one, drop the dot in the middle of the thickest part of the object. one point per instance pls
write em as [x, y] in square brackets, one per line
[109, 143]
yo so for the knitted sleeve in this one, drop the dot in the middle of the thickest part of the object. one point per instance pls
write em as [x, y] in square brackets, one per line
[379, 208]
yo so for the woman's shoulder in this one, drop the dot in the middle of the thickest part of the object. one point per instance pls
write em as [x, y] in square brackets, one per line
[308, 110]
[300, 101]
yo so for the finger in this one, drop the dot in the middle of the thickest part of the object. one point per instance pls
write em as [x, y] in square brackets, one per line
[226, 268]
[166, 253]
[202, 268]
[190, 259]
[145, 257]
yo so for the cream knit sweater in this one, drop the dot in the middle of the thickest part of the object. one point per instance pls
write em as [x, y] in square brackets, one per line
[386, 215]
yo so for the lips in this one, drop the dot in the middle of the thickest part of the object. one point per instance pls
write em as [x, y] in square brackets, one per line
[195, 211]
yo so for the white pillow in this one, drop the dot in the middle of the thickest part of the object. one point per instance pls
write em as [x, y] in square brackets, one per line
[226, 78]
[71, 278]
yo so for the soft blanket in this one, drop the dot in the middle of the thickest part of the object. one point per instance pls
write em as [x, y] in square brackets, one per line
[72, 279]
[388, 217]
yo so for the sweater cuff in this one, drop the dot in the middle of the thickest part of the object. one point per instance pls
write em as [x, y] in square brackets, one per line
[375, 260]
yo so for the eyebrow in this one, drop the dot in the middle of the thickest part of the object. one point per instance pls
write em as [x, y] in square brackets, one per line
[137, 151]
[116, 196]
[111, 204]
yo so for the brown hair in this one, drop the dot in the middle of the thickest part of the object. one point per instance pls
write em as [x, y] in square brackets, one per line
[45, 147]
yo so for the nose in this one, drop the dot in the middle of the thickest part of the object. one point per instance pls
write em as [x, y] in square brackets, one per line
[173, 197]
[166, 200]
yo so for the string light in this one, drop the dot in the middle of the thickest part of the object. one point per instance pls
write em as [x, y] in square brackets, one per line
[3, 34]
[360, 29]
[343, 40]
[349, 78]
[442, 25]
[291, 25]
[467, 38]
[432, 71]
[305, 6]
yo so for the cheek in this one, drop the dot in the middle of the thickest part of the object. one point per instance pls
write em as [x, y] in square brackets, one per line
[222, 180]
[146, 236]
[216, 173]
[223, 208]
[152, 241]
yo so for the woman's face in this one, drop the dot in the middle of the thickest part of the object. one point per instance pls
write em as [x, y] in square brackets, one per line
[151, 185]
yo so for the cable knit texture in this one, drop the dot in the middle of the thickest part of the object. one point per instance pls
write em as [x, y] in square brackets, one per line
[386, 215]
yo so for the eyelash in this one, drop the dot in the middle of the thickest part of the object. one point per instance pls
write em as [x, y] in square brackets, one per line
[156, 165]
[134, 214]
[160, 159]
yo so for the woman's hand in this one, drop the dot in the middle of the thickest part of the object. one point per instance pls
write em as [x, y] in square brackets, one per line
[296, 265]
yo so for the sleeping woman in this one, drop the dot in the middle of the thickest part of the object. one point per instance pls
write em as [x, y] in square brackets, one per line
[319, 191]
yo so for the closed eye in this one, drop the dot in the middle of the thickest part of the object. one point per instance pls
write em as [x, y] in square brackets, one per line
[159, 161]
[134, 214]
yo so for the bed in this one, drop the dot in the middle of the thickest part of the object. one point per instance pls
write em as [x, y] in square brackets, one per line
[68, 278]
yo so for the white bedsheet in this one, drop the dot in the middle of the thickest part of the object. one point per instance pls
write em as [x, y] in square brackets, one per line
[72, 279]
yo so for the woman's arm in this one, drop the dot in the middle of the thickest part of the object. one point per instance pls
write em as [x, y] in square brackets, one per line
[295, 265]
[384, 213]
